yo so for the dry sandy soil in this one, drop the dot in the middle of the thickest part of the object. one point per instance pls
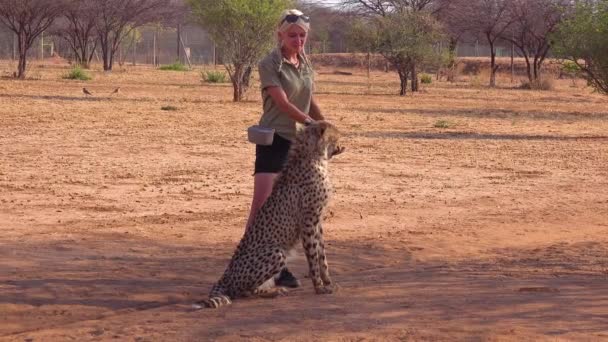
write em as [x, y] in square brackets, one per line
[459, 213]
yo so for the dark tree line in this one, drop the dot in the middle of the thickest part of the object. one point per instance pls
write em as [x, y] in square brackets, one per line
[531, 27]
[86, 25]
[527, 25]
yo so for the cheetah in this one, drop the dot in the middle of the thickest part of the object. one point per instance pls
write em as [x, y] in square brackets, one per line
[291, 214]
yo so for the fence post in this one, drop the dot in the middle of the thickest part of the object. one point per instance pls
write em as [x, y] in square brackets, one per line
[42, 45]
[154, 49]
[14, 46]
[179, 39]
[512, 62]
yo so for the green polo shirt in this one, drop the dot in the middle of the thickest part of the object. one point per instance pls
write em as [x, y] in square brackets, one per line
[297, 83]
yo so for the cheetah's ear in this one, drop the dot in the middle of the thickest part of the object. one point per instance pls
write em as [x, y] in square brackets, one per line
[322, 127]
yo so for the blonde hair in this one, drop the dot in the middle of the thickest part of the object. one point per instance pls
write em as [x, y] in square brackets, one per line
[284, 26]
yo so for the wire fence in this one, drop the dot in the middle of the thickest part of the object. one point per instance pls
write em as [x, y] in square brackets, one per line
[163, 46]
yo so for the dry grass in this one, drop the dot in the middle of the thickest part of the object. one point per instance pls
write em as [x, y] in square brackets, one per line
[450, 205]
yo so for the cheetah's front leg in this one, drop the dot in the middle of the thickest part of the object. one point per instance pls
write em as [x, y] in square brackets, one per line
[323, 259]
[310, 241]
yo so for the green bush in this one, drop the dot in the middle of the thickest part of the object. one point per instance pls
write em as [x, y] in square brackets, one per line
[177, 66]
[213, 76]
[442, 124]
[570, 68]
[77, 73]
[426, 79]
[582, 38]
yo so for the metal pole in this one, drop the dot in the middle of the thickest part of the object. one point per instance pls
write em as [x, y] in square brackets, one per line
[14, 46]
[154, 49]
[179, 38]
[42, 46]
[512, 62]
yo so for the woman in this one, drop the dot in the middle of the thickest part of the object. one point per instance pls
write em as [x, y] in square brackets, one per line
[286, 78]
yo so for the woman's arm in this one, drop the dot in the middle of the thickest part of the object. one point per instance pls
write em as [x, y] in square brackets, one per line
[280, 98]
[315, 111]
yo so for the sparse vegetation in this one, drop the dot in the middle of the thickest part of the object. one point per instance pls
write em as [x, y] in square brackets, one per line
[77, 73]
[213, 76]
[177, 66]
[570, 68]
[442, 124]
[426, 79]
[544, 83]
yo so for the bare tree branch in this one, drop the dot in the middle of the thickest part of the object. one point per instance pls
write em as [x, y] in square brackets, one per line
[28, 19]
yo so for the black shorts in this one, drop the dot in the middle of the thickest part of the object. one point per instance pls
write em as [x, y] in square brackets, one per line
[270, 159]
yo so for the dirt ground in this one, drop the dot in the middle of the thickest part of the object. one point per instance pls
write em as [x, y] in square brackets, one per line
[459, 213]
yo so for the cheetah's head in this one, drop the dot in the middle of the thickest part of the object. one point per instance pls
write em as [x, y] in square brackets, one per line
[321, 138]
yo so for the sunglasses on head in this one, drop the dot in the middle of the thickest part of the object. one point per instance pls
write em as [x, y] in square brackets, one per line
[292, 18]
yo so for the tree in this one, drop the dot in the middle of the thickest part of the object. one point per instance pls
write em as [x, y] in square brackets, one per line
[583, 39]
[28, 19]
[404, 39]
[533, 24]
[243, 31]
[490, 19]
[117, 18]
[78, 29]
[386, 8]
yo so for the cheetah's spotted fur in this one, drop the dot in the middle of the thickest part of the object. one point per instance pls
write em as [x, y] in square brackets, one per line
[292, 213]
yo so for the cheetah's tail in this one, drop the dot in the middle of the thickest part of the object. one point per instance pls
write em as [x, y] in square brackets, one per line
[213, 302]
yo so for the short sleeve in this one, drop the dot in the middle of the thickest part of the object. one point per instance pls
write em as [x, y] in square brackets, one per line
[269, 74]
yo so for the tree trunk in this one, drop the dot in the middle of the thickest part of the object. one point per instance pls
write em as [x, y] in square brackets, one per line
[111, 61]
[106, 60]
[452, 60]
[22, 42]
[528, 69]
[21, 66]
[536, 69]
[403, 72]
[247, 77]
[414, 77]
[240, 80]
[90, 56]
[493, 66]
[105, 52]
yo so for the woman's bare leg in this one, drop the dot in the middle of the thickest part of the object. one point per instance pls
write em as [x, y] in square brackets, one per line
[262, 187]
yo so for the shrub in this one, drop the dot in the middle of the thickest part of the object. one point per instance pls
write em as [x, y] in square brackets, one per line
[177, 66]
[426, 79]
[539, 84]
[570, 68]
[77, 73]
[582, 38]
[213, 76]
[171, 108]
[442, 124]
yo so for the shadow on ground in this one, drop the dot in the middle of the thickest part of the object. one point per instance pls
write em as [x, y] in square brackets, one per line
[66, 289]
